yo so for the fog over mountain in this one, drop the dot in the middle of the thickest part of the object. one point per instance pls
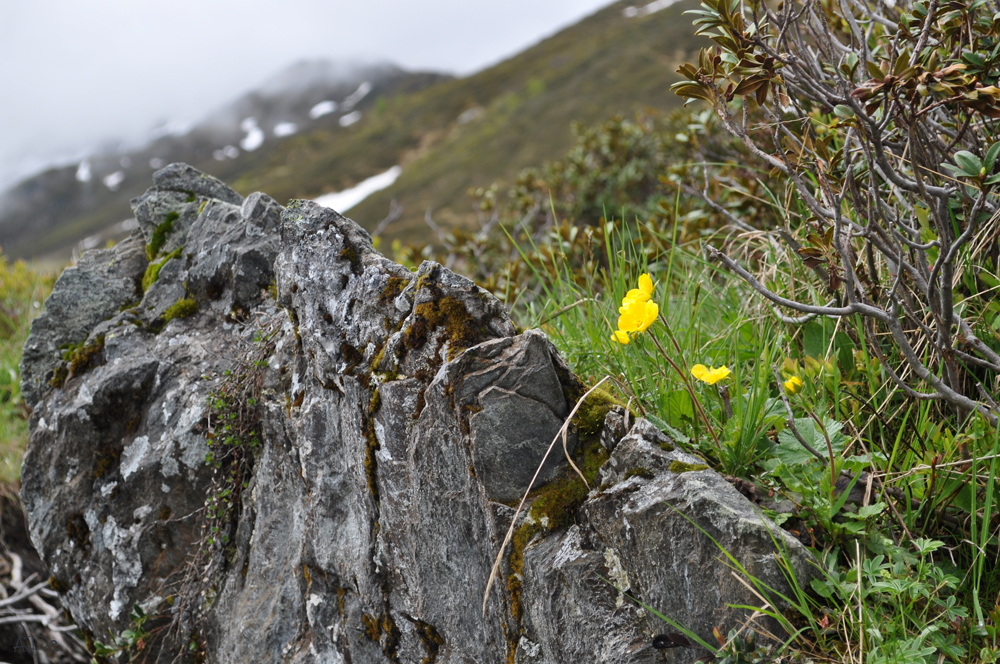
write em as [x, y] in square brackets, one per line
[80, 78]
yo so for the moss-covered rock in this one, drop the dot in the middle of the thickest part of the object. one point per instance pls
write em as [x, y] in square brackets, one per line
[590, 416]
[160, 234]
[682, 467]
[153, 270]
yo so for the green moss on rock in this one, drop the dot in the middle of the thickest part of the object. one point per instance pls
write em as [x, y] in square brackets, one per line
[554, 507]
[462, 329]
[59, 376]
[644, 473]
[153, 269]
[392, 289]
[86, 357]
[180, 309]
[160, 235]
[431, 639]
[681, 467]
[590, 417]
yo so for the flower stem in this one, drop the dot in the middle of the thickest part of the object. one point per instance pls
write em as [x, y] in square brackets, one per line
[690, 388]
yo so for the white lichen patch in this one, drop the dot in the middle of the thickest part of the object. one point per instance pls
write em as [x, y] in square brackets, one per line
[570, 549]
[529, 648]
[74, 468]
[84, 397]
[168, 465]
[126, 565]
[108, 488]
[133, 454]
[193, 450]
[619, 577]
[164, 488]
[140, 513]
[382, 454]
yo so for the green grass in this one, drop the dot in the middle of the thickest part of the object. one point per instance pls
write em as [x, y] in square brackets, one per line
[908, 577]
[22, 293]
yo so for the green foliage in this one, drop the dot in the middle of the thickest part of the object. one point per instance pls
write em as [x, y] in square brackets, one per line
[612, 169]
[911, 610]
[886, 216]
[569, 278]
[234, 434]
[129, 643]
[153, 269]
[160, 234]
[180, 309]
[22, 293]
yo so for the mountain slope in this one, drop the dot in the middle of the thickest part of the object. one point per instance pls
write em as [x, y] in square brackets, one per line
[54, 210]
[517, 113]
[447, 134]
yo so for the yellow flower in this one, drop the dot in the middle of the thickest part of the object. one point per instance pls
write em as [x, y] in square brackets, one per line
[641, 294]
[637, 311]
[710, 376]
[793, 384]
[637, 316]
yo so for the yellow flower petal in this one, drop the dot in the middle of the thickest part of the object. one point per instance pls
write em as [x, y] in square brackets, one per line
[710, 376]
[650, 311]
[793, 384]
[646, 284]
[634, 295]
[641, 294]
[621, 337]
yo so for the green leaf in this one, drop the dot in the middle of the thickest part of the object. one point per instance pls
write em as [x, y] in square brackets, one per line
[673, 433]
[822, 588]
[791, 452]
[843, 111]
[991, 157]
[676, 406]
[969, 163]
[870, 510]
[874, 71]
[850, 64]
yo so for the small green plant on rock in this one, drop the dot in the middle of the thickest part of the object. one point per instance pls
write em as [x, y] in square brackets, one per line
[234, 440]
[129, 642]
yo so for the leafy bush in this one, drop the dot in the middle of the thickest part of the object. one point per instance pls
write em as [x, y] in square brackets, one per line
[880, 144]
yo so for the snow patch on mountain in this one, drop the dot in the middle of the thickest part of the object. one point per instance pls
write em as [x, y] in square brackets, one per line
[356, 96]
[342, 201]
[114, 180]
[651, 8]
[323, 108]
[255, 135]
[350, 118]
[285, 129]
[83, 173]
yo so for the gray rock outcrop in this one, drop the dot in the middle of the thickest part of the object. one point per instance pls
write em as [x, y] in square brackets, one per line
[399, 416]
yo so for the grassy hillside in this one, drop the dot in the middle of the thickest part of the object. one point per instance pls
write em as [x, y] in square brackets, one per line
[606, 64]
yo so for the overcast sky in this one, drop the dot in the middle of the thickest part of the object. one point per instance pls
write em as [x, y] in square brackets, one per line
[75, 74]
